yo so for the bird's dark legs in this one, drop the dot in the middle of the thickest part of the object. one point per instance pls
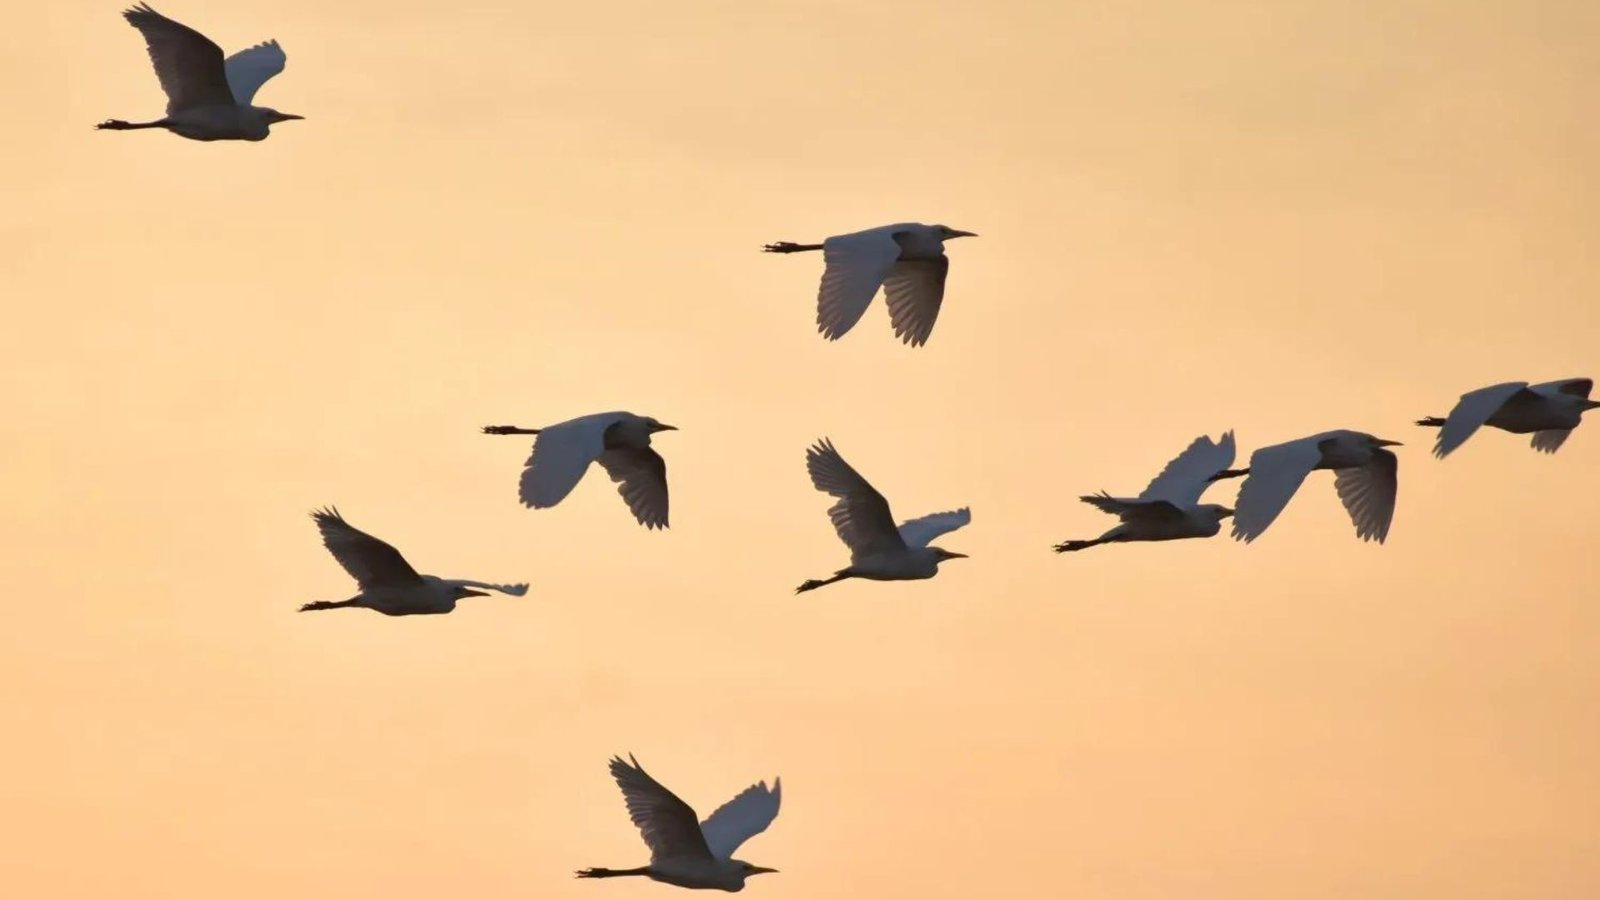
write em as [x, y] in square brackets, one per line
[1229, 473]
[508, 429]
[327, 604]
[612, 873]
[790, 247]
[813, 583]
[1431, 422]
[1069, 546]
[119, 125]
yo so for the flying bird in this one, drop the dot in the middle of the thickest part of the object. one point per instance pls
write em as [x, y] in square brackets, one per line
[1548, 411]
[208, 98]
[684, 851]
[906, 260]
[1364, 474]
[620, 441]
[388, 583]
[879, 550]
[1169, 508]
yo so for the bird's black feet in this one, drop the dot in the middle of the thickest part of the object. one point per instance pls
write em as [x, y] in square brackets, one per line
[508, 429]
[809, 585]
[112, 125]
[1069, 546]
[1229, 473]
[1431, 422]
[790, 247]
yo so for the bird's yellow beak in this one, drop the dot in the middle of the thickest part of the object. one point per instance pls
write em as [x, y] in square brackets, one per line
[1225, 512]
[661, 427]
[955, 233]
[761, 870]
[1383, 443]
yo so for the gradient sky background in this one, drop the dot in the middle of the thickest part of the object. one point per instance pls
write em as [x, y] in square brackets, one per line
[1274, 217]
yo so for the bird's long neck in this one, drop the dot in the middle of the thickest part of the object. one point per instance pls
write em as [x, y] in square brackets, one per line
[790, 247]
[1229, 473]
[1431, 422]
[508, 429]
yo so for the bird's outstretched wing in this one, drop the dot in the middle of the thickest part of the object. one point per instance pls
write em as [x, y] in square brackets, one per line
[561, 454]
[921, 532]
[861, 516]
[250, 68]
[1471, 411]
[914, 290]
[515, 590]
[187, 62]
[855, 266]
[1368, 494]
[1188, 475]
[1577, 387]
[1276, 472]
[668, 824]
[641, 475]
[1131, 510]
[1550, 440]
[371, 562]
[742, 818]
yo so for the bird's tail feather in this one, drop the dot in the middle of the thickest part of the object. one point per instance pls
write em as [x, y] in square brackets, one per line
[328, 604]
[612, 873]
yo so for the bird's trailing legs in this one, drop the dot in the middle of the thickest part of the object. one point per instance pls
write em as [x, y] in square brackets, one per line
[119, 125]
[612, 873]
[1069, 546]
[508, 429]
[328, 604]
[813, 583]
[1431, 422]
[1229, 473]
[790, 247]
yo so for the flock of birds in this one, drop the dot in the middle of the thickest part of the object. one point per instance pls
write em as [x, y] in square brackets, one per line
[211, 98]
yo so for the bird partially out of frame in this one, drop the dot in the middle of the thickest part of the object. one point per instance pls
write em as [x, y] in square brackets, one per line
[685, 852]
[906, 260]
[1365, 475]
[619, 441]
[1169, 509]
[879, 550]
[208, 98]
[1548, 411]
[388, 583]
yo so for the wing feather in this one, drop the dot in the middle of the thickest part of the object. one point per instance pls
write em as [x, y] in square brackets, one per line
[922, 531]
[188, 64]
[1551, 439]
[1188, 475]
[561, 454]
[914, 290]
[641, 476]
[861, 516]
[1471, 412]
[1276, 472]
[667, 823]
[742, 818]
[855, 266]
[1368, 494]
[251, 67]
[371, 562]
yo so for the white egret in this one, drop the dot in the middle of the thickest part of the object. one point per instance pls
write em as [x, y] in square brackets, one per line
[1364, 474]
[907, 260]
[686, 852]
[208, 98]
[388, 583]
[1548, 411]
[1169, 508]
[878, 550]
[620, 441]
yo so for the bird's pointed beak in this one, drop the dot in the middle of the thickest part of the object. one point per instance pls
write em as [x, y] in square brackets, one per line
[951, 554]
[472, 593]
[660, 427]
[284, 117]
[1383, 443]
[761, 870]
[955, 233]
[1224, 512]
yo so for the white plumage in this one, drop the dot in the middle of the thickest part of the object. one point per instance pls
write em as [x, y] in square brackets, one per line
[906, 260]
[619, 441]
[1169, 508]
[1548, 411]
[1365, 477]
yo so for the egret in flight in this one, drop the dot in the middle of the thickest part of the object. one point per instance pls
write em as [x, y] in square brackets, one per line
[878, 550]
[1364, 474]
[686, 852]
[208, 98]
[1169, 508]
[906, 260]
[620, 441]
[1548, 411]
[388, 583]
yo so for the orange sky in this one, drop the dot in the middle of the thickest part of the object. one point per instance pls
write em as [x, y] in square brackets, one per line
[1278, 218]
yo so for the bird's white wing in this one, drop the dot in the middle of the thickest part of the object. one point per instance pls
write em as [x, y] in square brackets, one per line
[641, 475]
[371, 562]
[1577, 387]
[1470, 412]
[921, 532]
[856, 265]
[1276, 472]
[515, 590]
[561, 454]
[250, 68]
[914, 289]
[1550, 440]
[1136, 509]
[742, 818]
[1188, 475]
[1368, 494]
[861, 516]
[187, 62]
[667, 823]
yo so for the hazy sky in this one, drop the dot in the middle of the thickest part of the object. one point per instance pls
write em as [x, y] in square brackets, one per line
[1279, 218]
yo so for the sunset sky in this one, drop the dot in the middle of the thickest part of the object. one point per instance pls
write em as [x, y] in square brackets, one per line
[1195, 215]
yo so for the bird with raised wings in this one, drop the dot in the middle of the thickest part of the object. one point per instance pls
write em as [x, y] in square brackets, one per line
[209, 98]
[388, 583]
[686, 852]
[619, 441]
[879, 550]
[1169, 509]
[1548, 411]
[906, 260]
[1365, 476]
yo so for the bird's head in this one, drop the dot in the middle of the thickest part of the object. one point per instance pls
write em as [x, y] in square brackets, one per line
[273, 117]
[653, 426]
[940, 554]
[945, 232]
[745, 869]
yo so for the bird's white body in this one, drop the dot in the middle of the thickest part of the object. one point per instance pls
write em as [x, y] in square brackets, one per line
[1168, 509]
[388, 583]
[1548, 411]
[1366, 479]
[906, 260]
[221, 123]
[684, 852]
[879, 550]
[619, 441]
